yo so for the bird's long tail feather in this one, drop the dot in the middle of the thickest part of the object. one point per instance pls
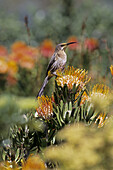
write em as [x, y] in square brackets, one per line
[40, 93]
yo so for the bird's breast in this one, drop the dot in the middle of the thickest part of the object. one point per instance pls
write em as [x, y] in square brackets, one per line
[61, 56]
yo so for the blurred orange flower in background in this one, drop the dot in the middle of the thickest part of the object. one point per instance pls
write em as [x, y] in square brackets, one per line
[3, 66]
[15, 57]
[47, 48]
[27, 62]
[24, 55]
[73, 46]
[3, 60]
[91, 44]
[32, 51]
[12, 67]
[3, 51]
[111, 69]
[18, 46]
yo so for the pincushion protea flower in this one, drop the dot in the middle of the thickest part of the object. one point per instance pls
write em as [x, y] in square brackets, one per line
[73, 46]
[47, 48]
[12, 67]
[45, 108]
[91, 44]
[24, 55]
[3, 51]
[99, 96]
[9, 165]
[102, 118]
[33, 162]
[100, 90]
[98, 93]
[111, 69]
[3, 66]
[84, 98]
[72, 76]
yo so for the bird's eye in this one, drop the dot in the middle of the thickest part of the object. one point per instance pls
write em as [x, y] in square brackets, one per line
[61, 45]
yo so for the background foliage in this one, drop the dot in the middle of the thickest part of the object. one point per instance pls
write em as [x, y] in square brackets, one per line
[29, 33]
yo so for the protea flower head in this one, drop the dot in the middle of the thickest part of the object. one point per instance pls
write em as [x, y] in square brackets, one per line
[111, 69]
[91, 44]
[100, 97]
[101, 119]
[72, 76]
[47, 48]
[45, 108]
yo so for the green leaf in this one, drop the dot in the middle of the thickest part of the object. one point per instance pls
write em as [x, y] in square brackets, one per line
[65, 92]
[61, 105]
[70, 106]
[56, 98]
[51, 134]
[90, 113]
[65, 110]
[67, 120]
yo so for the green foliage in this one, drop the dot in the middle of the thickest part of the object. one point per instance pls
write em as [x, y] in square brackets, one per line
[11, 29]
[69, 110]
[36, 133]
[22, 132]
[12, 109]
[58, 24]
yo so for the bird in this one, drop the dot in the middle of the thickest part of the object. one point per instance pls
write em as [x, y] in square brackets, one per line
[57, 61]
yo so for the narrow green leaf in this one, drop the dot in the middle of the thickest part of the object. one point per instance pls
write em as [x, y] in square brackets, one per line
[56, 98]
[67, 117]
[51, 134]
[90, 113]
[70, 106]
[65, 110]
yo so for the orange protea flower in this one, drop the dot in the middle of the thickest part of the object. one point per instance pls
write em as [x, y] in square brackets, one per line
[33, 162]
[111, 68]
[3, 51]
[84, 98]
[101, 119]
[9, 165]
[70, 76]
[73, 46]
[45, 108]
[17, 57]
[99, 93]
[12, 68]
[24, 55]
[27, 62]
[3, 66]
[91, 44]
[32, 52]
[100, 89]
[13, 56]
[100, 97]
[47, 48]
[18, 46]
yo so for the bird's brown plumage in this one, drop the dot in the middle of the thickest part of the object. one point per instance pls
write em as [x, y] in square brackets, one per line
[57, 61]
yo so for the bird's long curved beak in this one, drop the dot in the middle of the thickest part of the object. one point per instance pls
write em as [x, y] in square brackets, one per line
[64, 45]
[71, 43]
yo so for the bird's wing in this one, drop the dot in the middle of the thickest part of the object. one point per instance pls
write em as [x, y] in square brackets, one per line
[51, 63]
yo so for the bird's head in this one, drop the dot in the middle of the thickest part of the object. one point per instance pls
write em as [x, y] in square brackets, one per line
[63, 46]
